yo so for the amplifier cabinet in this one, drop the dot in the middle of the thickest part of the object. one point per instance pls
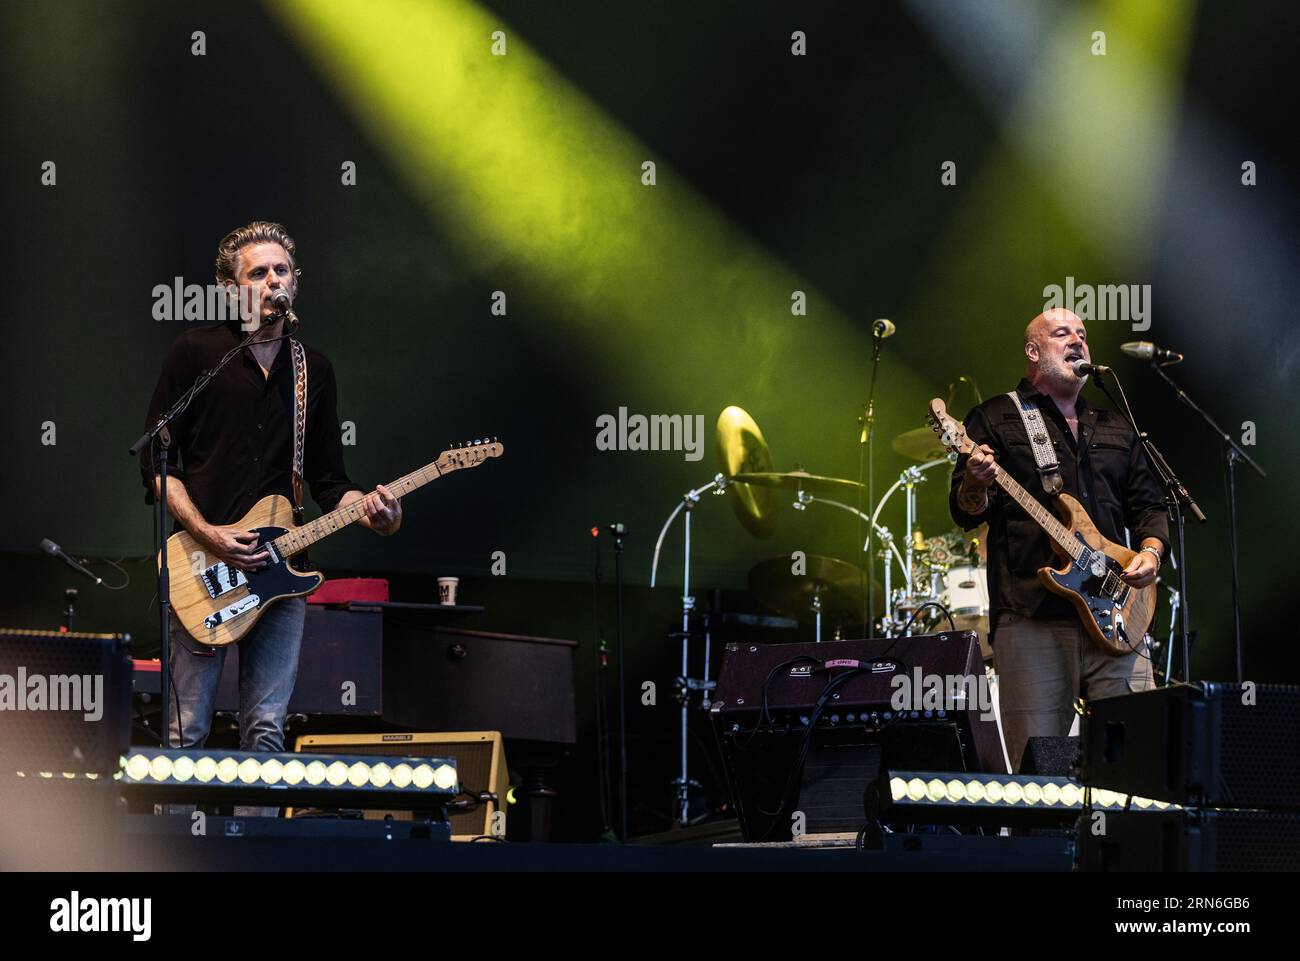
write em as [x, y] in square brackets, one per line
[806, 727]
[480, 766]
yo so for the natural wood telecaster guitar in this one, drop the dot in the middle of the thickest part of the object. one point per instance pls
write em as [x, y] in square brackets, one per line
[1114, 613]
[218, 604]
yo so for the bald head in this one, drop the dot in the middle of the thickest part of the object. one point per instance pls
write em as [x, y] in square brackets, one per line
[1054, 340]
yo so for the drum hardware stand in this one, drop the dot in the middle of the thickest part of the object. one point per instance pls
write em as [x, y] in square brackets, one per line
[685, 683]
[908, 480]
[1174, 601]
[1232, 454]
[883, 536]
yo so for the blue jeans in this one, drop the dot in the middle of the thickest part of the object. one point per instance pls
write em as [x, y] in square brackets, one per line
[268, 668]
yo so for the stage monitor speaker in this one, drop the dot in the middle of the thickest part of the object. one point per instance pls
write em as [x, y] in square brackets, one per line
[1190, 840]
[1212, 745]
[1050, 756]
[65, 699]
[480, 766]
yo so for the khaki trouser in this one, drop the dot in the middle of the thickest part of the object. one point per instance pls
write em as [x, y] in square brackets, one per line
[1043, 664]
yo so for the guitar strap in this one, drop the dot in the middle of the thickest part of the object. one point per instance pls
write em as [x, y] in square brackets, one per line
[1049, 468]
[299, 422]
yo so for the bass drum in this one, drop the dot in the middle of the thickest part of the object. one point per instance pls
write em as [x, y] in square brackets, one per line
[966, 595]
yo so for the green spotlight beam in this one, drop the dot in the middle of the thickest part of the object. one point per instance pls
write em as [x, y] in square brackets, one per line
[531, 176]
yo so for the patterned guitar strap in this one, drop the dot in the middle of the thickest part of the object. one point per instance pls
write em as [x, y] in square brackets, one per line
[299, 422]
[1048, 466]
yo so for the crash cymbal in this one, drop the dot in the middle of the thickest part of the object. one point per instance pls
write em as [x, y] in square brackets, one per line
[799, 480]
[840, 587]
[921, 444]
[741, 447]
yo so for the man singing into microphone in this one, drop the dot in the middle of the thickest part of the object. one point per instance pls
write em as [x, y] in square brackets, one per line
[1050, 439]
[232, 447]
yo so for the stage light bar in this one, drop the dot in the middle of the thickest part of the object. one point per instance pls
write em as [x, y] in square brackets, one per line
[946, 797]
[336, 780]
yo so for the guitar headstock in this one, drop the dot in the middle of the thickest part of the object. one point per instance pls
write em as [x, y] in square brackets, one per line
[952, 435]
[469, 454]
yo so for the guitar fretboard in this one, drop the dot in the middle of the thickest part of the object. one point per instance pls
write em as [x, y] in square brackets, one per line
[300, 538]
[1045, 518]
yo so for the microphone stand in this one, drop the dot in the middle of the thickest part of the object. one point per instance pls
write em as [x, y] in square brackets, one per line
[867, 438]
[158, 439]
[1177, 499]
[1232, 454]
[620, 531]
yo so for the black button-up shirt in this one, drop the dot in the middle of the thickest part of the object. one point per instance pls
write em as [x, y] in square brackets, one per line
[1106, 470]
[234, 444]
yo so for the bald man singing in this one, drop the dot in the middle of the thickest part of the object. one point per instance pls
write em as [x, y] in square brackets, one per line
[1043, 657]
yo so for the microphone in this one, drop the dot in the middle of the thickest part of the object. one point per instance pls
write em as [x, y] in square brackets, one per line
[283, 303]
[1145, 350]
[883, 328]
[1082, 368]
[54, 550]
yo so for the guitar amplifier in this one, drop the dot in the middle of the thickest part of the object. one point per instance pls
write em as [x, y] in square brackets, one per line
[825, 718]
[480, 766]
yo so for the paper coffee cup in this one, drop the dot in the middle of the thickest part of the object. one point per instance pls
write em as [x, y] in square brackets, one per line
[447, 590]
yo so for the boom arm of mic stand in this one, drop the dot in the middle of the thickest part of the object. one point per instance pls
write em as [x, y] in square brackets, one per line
[1158, 462]
[1224, 435]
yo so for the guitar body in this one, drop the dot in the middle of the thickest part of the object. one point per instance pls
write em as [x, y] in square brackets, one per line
[218, 605]
[1114, 614]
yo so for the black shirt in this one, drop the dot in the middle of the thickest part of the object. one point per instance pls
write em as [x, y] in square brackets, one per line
[234, 445]
[1106, 471]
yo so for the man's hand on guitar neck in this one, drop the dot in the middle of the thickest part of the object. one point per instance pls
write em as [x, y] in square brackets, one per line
[383, 511]
[981, 471]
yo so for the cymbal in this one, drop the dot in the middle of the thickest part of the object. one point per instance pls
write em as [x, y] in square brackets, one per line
[840, 587]
[799, 480]
[921, 444]
[741, 447]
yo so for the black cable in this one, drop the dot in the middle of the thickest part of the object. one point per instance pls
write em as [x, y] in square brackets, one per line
[87, 561]
[819, 707]
[947, 613]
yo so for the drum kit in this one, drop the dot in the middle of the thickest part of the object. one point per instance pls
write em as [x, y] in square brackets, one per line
[927, 581]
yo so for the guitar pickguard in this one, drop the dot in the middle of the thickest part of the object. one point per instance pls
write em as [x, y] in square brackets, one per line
[1102, 589]
[266, 585]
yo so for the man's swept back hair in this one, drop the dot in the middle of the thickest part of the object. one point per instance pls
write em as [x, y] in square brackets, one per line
[258, 232]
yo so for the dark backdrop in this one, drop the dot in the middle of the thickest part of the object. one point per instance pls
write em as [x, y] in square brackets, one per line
[826, 165]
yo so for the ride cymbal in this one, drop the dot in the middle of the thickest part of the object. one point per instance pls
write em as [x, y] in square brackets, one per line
[839, 587]
[799, 480]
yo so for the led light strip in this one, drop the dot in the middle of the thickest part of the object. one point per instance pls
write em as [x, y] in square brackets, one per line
[1006, 791]
[239, 768]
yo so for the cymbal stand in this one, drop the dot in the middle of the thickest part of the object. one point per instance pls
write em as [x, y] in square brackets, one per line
[883, 535]
[685, 683]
